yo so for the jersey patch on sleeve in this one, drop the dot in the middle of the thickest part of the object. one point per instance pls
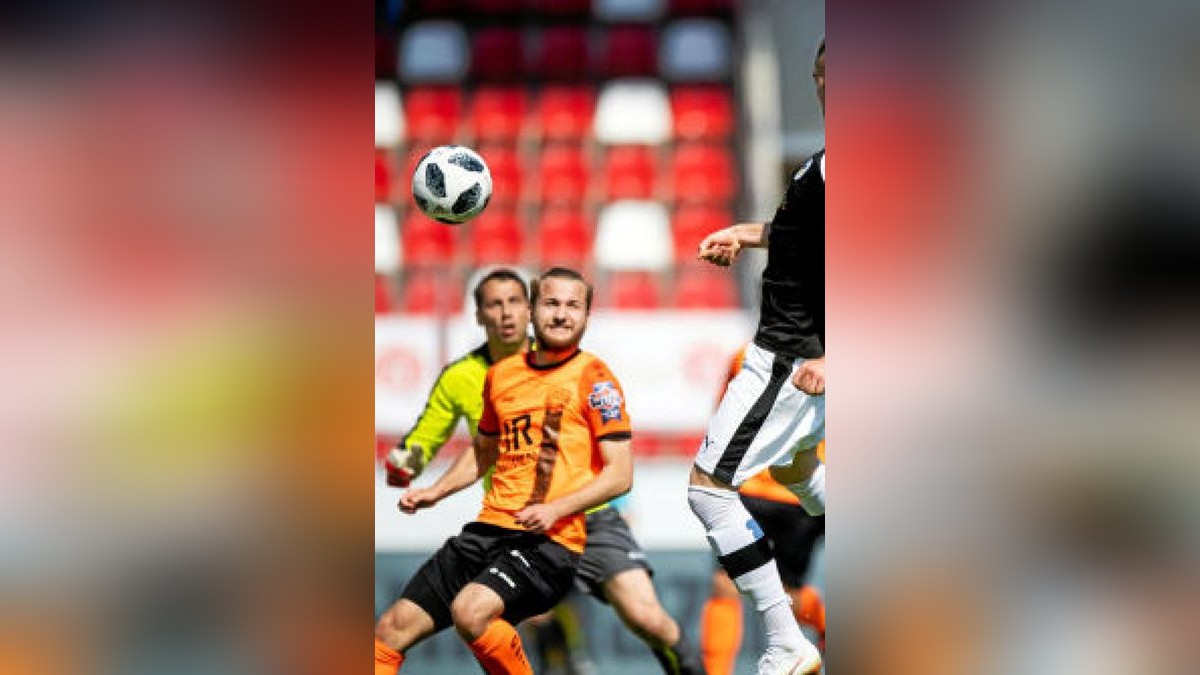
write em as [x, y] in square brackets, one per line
[606, 400]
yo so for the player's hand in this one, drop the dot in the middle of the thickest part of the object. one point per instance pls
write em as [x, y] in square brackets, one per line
[403, 465]
[810, 377]
[416, 499]
[721, 247]
[538, 517]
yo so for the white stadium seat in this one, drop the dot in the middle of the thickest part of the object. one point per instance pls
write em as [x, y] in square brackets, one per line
[433, 51]
[628, 10]
[633, 235]
[389, 115]
[387, 240]
[695, 50]
[633, 111]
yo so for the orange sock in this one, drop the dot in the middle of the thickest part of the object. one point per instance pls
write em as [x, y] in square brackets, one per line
[499, 650]
[811, 611]
[387, 660]
[720, 634]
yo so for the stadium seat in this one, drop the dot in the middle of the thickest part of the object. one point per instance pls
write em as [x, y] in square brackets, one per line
[496, 237]
[498, 113]
[703, 174]
[433, 51]
[433, 114]
[560, 53]
[614, 11]
[692, 224]
[700, 7]
[426, 242]
[431, 291]
[564, 113]
[633, 235]
[439, 7]
[387, 240]
[702, 113]
[630, 172]
[389, 115]
[504, 163]
[496, 54]
[696, 50]
[702, 286]
[633, 111]
[628, 51]
[633, 290]
[494, 8]
[385, 296]
[563, 174]
[564, 237]
[559, 8]
[383, 177]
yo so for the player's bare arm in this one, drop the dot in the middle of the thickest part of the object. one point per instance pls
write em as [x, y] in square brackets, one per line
[614, 480]
[467, 468]
[810, 377]
[723, 246]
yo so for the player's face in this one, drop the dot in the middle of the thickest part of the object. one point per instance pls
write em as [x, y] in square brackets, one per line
[560, 315]
[819, 79]
[504, 313]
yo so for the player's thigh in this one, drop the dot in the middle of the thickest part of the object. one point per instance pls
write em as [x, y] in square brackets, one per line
[475, 606]
[632, 594]
[404, 624]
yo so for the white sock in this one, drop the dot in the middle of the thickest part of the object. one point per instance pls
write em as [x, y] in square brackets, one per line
[812, 492]
[733, 533]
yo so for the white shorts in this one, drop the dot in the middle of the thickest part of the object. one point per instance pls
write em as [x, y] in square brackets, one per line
[762, 421]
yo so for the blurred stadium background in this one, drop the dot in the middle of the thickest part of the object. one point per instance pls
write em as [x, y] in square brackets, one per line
[618, 133]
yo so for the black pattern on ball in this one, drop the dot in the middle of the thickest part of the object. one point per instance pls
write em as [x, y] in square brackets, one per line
[467, 200]
[467, 162]
[446, 221]
[434, 180]
[421, 202]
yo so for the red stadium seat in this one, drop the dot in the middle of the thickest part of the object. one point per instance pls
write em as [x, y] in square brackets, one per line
[496, 54]
[700, 7]
[383, 177]
[498, 113]
[559, 8]
[636, 290]
[704, 287]
[630, 172]
[504, 163]
[692, 224]
[432, 114]
[564, 238]
[497, 7]
[431, 291]
[496, 237]
[702, 113]
[703, 174]
[565, 113]
[385, 296]
[561, 53]
[563, 174]
[629, 51]
[439, 7]
[427, 242]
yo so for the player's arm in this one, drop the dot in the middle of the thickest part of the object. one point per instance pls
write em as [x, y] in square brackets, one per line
[433, 428]
[467, 468]
[614, 480]
[723, 246]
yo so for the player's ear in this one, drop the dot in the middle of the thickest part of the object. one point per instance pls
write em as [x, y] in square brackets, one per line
[478, 318]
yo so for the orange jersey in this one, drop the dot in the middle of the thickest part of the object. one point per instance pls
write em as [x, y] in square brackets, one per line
[761, 485]
[550, 420]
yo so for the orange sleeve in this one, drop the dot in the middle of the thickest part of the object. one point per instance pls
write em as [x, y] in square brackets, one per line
[603, 403]
[489, 423]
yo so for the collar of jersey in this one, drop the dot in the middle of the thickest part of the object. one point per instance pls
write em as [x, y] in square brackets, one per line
[548, 366]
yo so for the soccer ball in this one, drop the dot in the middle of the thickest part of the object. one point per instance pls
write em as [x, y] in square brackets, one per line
[452, 184]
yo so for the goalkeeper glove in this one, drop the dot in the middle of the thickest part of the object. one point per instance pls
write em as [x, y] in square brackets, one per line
[403, 464]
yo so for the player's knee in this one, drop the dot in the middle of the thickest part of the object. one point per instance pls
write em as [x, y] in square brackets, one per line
[470, 615]
[710, 503]
[390, 629]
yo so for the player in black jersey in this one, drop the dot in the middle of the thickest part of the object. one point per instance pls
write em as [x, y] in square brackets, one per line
[773, 413]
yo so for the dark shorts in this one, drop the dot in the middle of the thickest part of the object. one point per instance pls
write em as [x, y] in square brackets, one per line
[611, 549]
[793, 534]
[530, 572]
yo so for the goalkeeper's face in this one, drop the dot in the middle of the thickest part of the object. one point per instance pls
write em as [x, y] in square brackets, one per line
[560, 315]
[504, 313]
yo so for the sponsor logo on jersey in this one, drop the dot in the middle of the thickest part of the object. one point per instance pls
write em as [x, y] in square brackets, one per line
[606, 400]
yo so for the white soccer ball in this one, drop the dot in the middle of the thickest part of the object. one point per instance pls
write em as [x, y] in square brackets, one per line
[452, 184]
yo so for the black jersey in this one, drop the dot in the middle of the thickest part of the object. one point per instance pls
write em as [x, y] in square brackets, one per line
[792, 317]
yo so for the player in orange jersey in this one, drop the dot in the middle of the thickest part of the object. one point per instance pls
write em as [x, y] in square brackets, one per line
[793, 534]
[555, 429]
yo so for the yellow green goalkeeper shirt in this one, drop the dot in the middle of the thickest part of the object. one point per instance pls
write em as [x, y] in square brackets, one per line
[457, 394]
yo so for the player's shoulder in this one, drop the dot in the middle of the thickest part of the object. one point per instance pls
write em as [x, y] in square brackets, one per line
[471, 365]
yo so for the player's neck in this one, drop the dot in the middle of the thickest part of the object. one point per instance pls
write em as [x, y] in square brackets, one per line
[546, 356]
[499, 350]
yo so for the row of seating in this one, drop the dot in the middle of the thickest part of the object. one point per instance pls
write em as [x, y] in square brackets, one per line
[693, 287]
[684, 50]
[610, 11]
[564, 174]
[623, 111]
[628, 235]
